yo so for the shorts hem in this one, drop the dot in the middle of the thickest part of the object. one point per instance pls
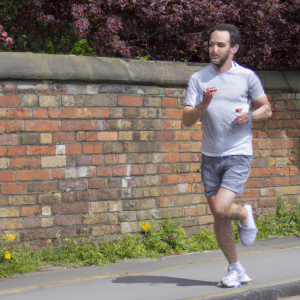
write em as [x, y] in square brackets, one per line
[212, 193]
[230, 189]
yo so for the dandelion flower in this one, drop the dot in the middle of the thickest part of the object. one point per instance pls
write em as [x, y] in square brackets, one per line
[146, 226]
[12, 237]
[7, 255]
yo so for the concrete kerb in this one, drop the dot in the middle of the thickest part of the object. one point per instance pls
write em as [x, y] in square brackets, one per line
[266, 293]
[31, 66]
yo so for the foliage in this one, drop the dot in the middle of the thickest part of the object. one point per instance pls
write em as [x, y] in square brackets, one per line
[286, 220]
[167, 238]
[156, 29]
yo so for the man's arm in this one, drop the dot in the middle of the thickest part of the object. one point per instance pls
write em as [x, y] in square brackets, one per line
[192, 114]
[260, 108]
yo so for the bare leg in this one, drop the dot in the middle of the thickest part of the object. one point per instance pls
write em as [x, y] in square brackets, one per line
[224, 210]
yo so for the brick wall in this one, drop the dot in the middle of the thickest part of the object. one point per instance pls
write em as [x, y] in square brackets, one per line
[98, 159]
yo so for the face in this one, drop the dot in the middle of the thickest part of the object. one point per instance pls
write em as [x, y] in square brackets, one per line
[219, 48]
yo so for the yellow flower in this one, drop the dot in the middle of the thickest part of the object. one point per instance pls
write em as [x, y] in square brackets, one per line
[7, 255]
[146, 226]
[5, 237]
[12, 237]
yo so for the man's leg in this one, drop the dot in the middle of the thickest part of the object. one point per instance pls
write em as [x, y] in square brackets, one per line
[224, 210]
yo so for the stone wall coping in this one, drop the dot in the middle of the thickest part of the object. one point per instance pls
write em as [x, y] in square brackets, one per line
[32, 66]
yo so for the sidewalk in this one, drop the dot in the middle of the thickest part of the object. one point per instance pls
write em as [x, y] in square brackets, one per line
[274, 266]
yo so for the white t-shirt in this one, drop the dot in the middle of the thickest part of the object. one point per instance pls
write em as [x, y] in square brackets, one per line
[236, 88]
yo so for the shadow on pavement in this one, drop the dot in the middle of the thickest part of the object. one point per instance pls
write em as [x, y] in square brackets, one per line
[163, 280]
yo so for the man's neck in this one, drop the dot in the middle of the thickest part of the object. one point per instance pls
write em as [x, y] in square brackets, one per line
[226, 67]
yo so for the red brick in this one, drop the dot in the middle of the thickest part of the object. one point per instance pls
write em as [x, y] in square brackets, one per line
[97, 160]
[27, 211]
[164, 169]
[53, 113]
[9, 139]
[201, 209]
[9, 101]
[10, 90]
[63, 137]
[15, 150]
[38, 187]
[171, 125]
[97, 183]
[294, 170]
[41, 174]
[250, 194]
[76, 208]
[119, 170]
[2, 126]
[81, 136]
[25, 175]
[136, 170]
[185, 147]
[3, 151]
[173, 114]
[78, 125]
[170, 147]
[130, 101]
[107, 136]
[169, 102]
[164, 135]
[21, 113]
[276, 171]
[72, 113]
[57, 173]
[170, 158]
[91, 136]
[114, 182]
[40, 113]
[104, 171]
[255, 172]
[7, 176]
[197, 136]
[99, 125]
[104, 113]
[15, 126]
[42, 125]
[190, 211]
[25, 162]
[68, 220]
[74, 149]
[30, 223]
[9, 223]
[40, 150]
[281, 181]
[166, 201]
[4, 201]
[151, 169]
[92, 148]
[84, 160]
[11, 189]
[267, 203]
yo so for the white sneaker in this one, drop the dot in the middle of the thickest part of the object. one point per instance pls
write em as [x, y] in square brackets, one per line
[247, 234]
[235, 278]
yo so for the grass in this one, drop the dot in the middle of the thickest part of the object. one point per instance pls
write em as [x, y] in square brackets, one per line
[158, 240]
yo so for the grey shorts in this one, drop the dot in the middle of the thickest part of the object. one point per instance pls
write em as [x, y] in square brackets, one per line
[228, 172]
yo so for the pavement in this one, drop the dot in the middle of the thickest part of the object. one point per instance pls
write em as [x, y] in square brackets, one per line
[273, 264]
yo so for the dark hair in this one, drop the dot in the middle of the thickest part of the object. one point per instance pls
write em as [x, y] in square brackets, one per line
[234, 33]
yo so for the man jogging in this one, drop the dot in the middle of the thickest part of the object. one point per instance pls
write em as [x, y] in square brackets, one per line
[220, 95]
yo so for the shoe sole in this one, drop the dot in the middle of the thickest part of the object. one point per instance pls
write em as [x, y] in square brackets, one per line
[221, 283]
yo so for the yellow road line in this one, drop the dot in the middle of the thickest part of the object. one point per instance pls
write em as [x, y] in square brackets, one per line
[83, 279]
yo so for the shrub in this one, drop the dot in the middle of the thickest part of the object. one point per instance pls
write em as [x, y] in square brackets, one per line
[158, 29]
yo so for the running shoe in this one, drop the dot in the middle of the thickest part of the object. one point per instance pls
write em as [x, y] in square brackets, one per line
[235, 278]
[247, 234]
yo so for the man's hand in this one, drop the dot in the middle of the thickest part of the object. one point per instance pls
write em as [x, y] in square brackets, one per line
[207, 96]
[242, 118]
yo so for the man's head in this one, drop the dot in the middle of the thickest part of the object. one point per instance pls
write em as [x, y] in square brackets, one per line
[224, 42]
